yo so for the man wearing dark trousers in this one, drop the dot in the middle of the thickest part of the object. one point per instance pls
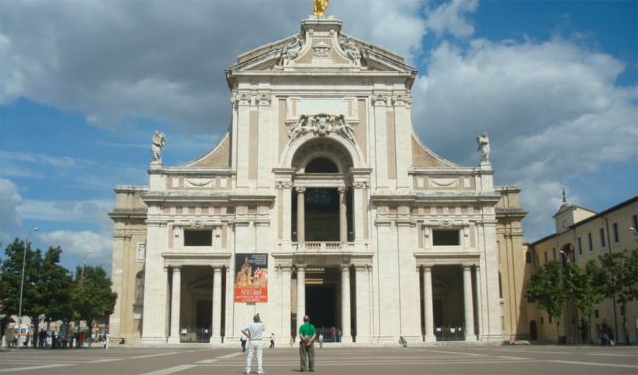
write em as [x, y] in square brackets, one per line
[307, 335]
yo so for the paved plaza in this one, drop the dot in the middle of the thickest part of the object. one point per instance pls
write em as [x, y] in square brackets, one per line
[450, 360]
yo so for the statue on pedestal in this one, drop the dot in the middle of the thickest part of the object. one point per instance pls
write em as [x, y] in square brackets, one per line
[484, 147]
[157, 146]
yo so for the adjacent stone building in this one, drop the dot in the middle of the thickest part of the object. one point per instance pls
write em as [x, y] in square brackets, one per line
[581, 235]
[320, 200]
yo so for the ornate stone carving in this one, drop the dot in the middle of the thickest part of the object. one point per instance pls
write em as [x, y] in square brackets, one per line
[351, 50]
[360, 184]
[199, 182]
[322, 124]
[484, 147]
[159, 140]
[322, 50]
[284, 184]
[444, 182]
[293, 48]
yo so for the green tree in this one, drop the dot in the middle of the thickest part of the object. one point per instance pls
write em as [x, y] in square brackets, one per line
[547, 286]
[92, 294]
[55, 284]
[621, 276]
[586, 288]
[46, 283]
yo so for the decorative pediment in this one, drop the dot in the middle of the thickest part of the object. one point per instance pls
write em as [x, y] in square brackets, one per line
[321, 125]
[320, 47]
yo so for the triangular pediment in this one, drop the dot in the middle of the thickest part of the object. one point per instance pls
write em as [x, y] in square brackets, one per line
[321, 48]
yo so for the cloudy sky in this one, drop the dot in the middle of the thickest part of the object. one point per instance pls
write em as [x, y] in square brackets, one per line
[83, 85]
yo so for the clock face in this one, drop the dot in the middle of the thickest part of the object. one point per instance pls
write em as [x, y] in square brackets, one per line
[564, 223]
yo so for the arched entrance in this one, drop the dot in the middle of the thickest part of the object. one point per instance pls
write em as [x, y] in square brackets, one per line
[322, 231]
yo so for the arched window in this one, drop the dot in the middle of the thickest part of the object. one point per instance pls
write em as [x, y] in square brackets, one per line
[321, 165]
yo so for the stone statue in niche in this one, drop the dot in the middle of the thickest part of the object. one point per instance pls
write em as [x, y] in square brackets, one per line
[484, 147]
[159, 139]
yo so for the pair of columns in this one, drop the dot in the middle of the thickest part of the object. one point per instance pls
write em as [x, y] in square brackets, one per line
[301, 215]
[468, 304]
[345, 299]
[215, 337]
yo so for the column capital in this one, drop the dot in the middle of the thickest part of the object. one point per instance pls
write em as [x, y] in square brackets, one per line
[177, 268]
[345, 267]
[300, 189]
[341, 189]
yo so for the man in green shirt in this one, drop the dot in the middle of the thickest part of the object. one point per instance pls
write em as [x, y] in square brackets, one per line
[307, 335]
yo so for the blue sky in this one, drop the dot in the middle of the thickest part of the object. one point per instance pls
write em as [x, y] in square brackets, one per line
[83, 85]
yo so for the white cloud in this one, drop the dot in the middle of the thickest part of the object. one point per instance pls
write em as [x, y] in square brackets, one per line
[553, 111]
[449, 17]
[80, 212]
[394, 25]
[96, 248]
[10, 219]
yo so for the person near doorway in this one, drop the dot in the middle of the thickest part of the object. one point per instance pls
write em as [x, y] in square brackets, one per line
[243, 340]
[107, 339]
[307, 336]
[254, 332]
[272, 340]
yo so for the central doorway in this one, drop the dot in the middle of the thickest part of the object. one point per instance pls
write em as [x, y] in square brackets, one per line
[323, 300]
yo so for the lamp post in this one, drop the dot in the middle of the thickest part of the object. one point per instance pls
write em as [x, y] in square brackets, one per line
[82, 272]
[24, 260]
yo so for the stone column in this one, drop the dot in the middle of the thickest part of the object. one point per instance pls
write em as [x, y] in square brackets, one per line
[301, 216]
[175, 305]
[359, 211]
[479, 302]
[216, 337]
[428, 308]
[363, 304]
[286, 323]
[301, 294]
[468, 304]
[345, 303]
[286, 213]
[343, 216]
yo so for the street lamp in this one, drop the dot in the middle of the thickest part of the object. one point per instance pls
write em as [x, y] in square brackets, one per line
[24, 260]
[82, 272]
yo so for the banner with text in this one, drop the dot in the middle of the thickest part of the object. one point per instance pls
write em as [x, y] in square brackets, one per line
[251, 277]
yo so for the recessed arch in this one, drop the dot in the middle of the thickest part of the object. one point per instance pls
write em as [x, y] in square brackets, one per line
[302, 150]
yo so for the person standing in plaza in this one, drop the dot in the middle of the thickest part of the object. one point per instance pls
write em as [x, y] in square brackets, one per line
[254, 332]
[272, 340]
[307, 335]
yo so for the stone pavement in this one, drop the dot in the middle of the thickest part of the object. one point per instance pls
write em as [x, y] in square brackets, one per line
[444, 360]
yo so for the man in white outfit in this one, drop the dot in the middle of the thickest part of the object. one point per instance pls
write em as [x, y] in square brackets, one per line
[254, 332]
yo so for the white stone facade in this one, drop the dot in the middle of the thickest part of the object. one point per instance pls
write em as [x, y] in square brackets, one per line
[407, 246]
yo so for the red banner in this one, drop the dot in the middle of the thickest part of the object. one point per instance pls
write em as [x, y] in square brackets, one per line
[251, 277]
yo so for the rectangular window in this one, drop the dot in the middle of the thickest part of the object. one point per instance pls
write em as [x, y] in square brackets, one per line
[596, 313]
[634, 220]
[580, 245]
[614, 227]
[141, 251]
[198, 237]
[528, 257]
[591, 243]
[554, 253]
[601, 232]
[550, 320]
[446, 237]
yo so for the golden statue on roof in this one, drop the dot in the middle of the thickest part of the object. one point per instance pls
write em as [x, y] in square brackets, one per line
[320, 7]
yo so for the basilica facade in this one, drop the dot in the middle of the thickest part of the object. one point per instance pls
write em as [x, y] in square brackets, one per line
[321, 200]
